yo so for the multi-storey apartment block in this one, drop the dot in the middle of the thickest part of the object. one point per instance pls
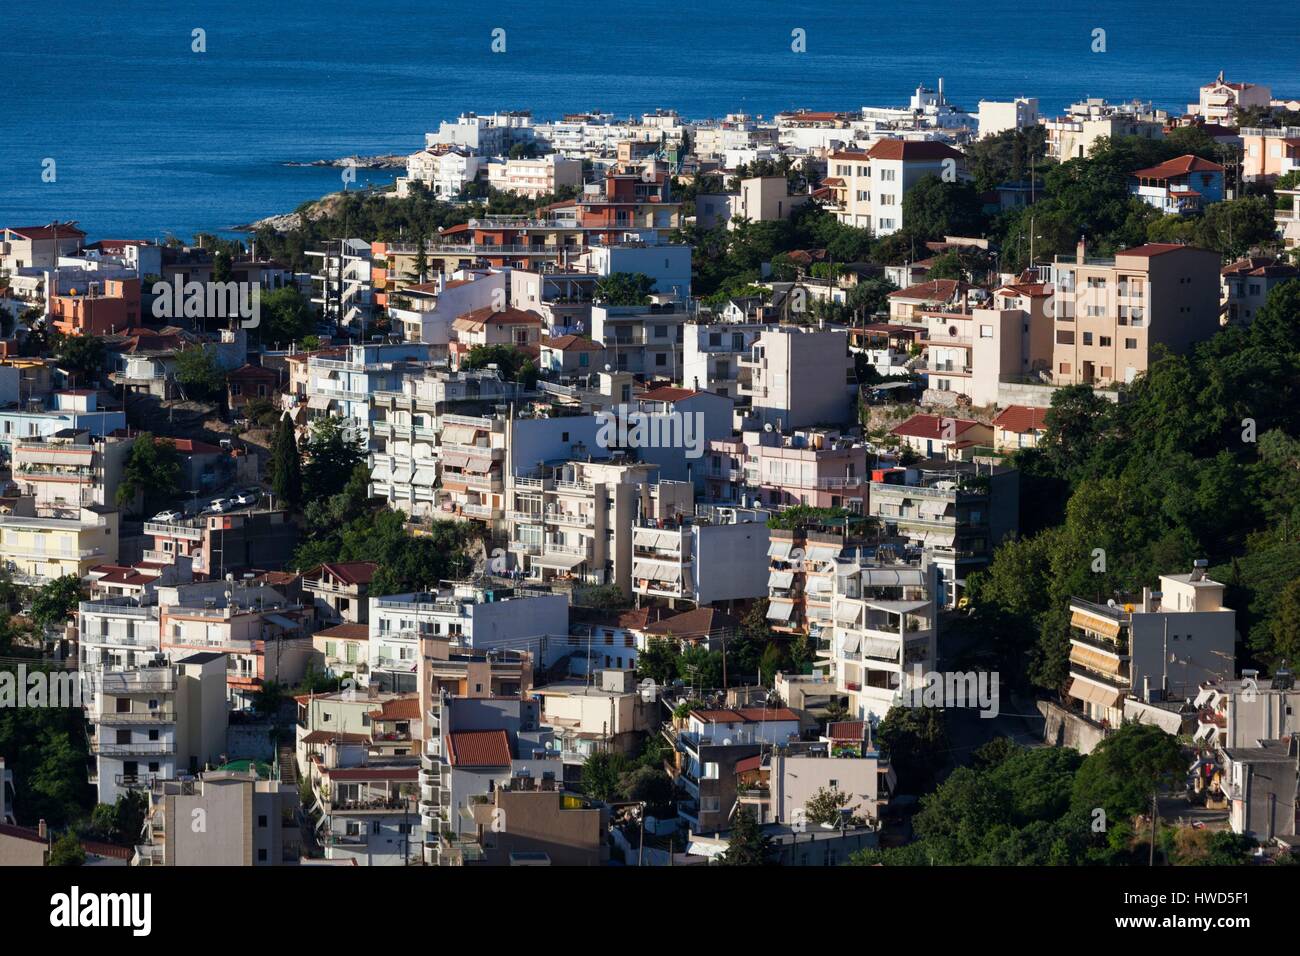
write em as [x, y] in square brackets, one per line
[64, 472]
[1110, 312]
[1159, 649]
[868, 187]
[37, 550]
[700, 560]
[117, 634]
[884, 631]
[800, 377]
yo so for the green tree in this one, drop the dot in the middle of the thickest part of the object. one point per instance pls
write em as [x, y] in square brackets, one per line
[747, 844]
[120, 822]
[601, 773]
[67, 851]
[914, 739]
[82, 355]
[1127, 767]
[55, 602]
[331, 455]
[649, 785]
[199, 373]
[658, 661]
[285, 316]
[1286, 625]
[624, 288]
[827, 805]
[933, 208]
[286, 466]
[152, 472]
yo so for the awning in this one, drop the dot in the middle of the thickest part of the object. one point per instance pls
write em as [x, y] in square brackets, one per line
[1092, 692]
[459, 434]
[780, 579]
[851, 644]
[880, 648]
[817, 612]
[424, 476]
[886, 577]
[480, 466]
[780, 610]
[933, 509]
[565, 562]
[818, 584]
[656, 570]
[823, 552]
[780, 550]
[281, 621]
[455, 459]
[1094, 623]
[319, 401]
[402, 474]
[1094, 660]
[380, 473]
[847, 613]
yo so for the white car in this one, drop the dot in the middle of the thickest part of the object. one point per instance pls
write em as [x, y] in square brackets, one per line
[218, 505]
[247, 497]
[167, 517]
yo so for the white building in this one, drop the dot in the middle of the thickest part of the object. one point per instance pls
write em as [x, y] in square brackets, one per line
[998, 116]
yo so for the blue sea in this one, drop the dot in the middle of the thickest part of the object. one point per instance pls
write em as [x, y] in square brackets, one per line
[151, 138]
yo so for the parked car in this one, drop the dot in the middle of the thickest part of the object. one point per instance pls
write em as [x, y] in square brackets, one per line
[218, 505]
[167, 517]
[249, 496]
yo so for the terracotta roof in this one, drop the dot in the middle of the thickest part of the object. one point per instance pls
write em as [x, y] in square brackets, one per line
[908, 150]
[1021, 419]
[749, 763]
[350, 572]
[1178, 166]
[667, 393]
[109, 850]
[61, 230]
[700, 622]
[576, 343]
[1153, 249]
[346, 632]
[930, 426]
[846, 730]
[935, 290]
[398, 708]
[745, 715]
[850, 154]
[508, 316]
[478, 748]
[1034, 290]
[187, 446]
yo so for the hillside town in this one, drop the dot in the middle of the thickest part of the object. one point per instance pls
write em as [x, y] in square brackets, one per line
[910, 484]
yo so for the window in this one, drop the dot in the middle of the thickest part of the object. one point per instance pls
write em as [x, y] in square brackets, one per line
[1130, 343]
[261, 856]
[1104, 341]
[1087, 338]
[261, 821]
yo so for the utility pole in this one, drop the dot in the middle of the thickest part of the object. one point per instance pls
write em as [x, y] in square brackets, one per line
[1155, 810]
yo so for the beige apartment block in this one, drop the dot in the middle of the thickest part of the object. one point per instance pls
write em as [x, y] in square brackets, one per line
[1110, 312]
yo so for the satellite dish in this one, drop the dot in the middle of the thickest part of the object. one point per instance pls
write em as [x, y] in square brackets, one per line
[768, 427]
[726, 741]
[608, 367]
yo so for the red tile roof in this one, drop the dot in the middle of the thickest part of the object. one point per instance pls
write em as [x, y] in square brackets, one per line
[930, 426]
[1153, 249]
[478, 748]
[398, 708]
[1178, 166]
[908, 150]
[745, 715]
[346, 632]
[351, 572]
[666, 393]
[64, 230]
[846, 730]
[400, 774]
[332, 736]
[1021, 419]
[936, 290]
[576, 343]
[699, 623]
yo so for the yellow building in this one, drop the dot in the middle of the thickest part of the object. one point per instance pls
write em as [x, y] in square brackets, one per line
[38, 550]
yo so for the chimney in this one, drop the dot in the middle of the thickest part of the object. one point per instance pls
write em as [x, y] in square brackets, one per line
[1080, 251]
[42, 830]
[1198, 569]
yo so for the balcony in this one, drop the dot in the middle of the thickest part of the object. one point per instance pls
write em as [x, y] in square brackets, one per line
[134, 748]
[135, 717]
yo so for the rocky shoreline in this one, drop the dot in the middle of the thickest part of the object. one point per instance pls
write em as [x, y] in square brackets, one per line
[391, 161]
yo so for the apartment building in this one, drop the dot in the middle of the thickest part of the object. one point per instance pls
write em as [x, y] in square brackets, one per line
[1159, 649]
[116, 634]
[764, 199]
[700, 561]
[155, 722]
[1245, 285]
[867, 187]
[249, 821]
[711, 354]
[1110, 312]
[970, 351]
[957, 512]
[1269, 152]
[708, 745]
[637, 203]
[1260, 783]
[75, 409]
[261, 634]
[444, 170]
[576, 518]
[344, 387]
[942, 436]
[489, 135]
[1220, 100]
[341, 286]
[778, 785]
[561, 295]
[1176, 187]
[817, 467]
[534, 178]
[339, 592]
[494, 325]
[218, 545]
[342, 649]
[800, 377]
[1241, 713]
[548, 826]
[97, 308]
[68, 470]
[997, 116]
[884, 631]
[639, 339]
[366, 813]
[1074, 135]
[801, 575]
[609, 714]
[1288, 220]
[37, 550]
[38, 247]
[474, 618]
